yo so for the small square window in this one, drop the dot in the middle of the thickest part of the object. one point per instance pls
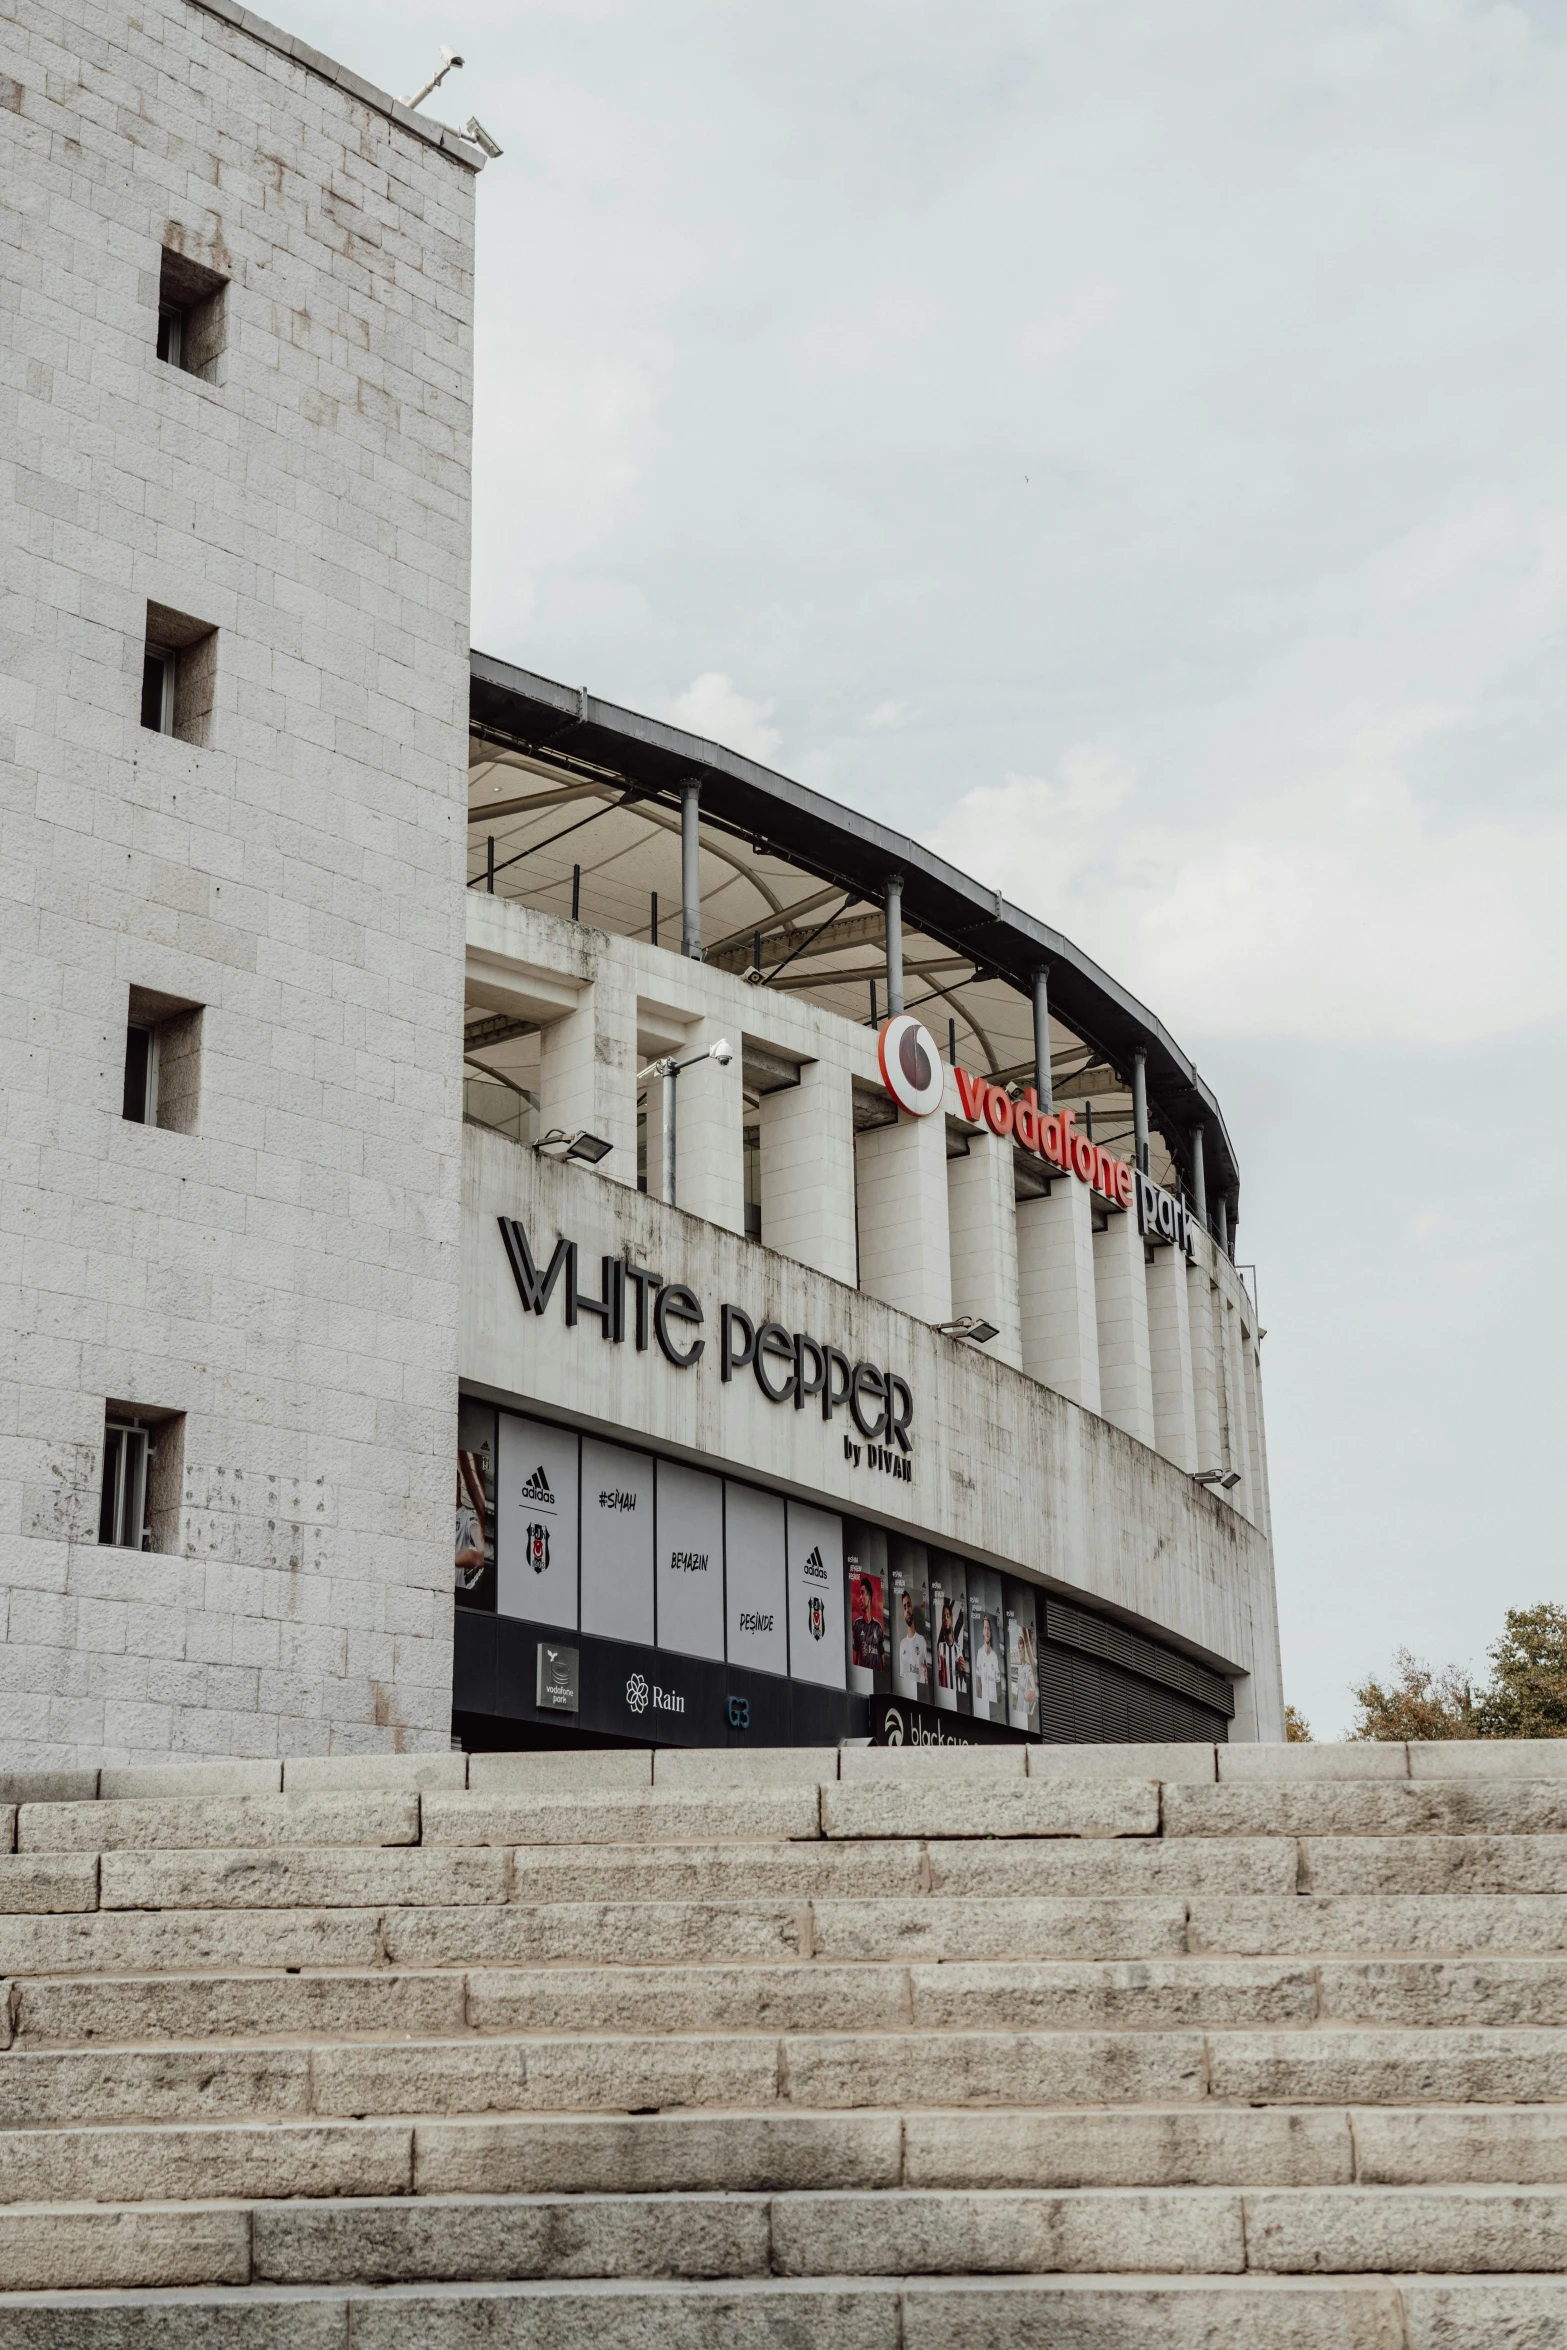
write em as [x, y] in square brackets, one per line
[122, 1511]
[192, 314]
[162, 1061]
[143, 1478]
[179, 666]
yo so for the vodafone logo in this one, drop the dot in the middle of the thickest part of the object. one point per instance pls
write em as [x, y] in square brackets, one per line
[910, 1065]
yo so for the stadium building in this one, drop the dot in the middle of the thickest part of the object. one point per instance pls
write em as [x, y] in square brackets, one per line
[813, 1276]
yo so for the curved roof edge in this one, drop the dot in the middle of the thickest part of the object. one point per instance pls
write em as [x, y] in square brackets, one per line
[840, 845]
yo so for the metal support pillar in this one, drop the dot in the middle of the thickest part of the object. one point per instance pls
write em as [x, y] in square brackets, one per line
[1042, 1084]
[690, 872]
[894, 944]
[1140, 1107]
[671, 1080]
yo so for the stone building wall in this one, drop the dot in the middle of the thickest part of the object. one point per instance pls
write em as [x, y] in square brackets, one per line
[275, 1267]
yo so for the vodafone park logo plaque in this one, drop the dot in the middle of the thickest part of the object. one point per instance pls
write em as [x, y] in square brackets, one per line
[910, 1065]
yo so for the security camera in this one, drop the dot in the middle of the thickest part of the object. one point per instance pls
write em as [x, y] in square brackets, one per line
[481, 137]
[723, 1052]
[449, 63]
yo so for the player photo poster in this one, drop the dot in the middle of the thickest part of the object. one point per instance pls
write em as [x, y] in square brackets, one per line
[1022, 1657]
[870, 1654]
[909, 1578]
[987, 1655]
[949, 1630]
[474, 1562]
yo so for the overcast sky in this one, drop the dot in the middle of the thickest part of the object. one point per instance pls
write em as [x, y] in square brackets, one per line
[1126, 446]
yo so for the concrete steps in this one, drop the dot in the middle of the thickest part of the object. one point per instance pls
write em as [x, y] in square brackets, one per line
[886, 2048]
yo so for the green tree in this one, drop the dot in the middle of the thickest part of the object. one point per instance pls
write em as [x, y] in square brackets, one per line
[1417, 1703]
[1527, 1697]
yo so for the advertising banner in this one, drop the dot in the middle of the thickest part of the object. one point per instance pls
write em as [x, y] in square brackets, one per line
[987, 1662]
[690, 1561]
[617, 1541]
[870, 1654]
[754, 1577]
[1022, 1656]
[474, 1559]
[909, 1577]
[949, 1624]
[536, 1522]
[817, 1644]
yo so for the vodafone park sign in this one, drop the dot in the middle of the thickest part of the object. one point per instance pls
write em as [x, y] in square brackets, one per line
[911, 1070]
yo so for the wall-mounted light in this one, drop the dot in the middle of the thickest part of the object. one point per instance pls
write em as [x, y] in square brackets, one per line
[972, 1327]
[589, 1148]
[1225, 1479]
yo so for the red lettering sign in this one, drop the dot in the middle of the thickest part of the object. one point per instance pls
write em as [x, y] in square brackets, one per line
[1050, 1134]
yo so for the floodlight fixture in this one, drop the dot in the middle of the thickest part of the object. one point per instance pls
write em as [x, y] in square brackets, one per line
[589, 1148]
[973, 1327]
[1225, 1479]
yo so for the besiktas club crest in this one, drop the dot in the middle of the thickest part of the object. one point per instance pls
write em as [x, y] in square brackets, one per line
[536, 1547]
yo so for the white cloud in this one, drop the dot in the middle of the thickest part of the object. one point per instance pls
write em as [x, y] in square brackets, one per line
[713, 706]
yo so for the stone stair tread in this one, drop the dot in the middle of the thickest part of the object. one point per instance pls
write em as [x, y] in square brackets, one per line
[1134, 2063]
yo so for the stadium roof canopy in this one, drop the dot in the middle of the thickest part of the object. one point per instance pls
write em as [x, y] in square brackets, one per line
[792, 883]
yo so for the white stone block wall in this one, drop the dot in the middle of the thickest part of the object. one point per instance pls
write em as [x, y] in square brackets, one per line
[285, 1274]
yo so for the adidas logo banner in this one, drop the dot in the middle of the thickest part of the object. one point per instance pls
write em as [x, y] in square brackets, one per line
[537, 1488]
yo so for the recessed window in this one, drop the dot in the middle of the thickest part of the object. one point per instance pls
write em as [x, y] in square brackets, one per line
[192, 314]
[179, 668]
[162, 1061]
[143, 1476]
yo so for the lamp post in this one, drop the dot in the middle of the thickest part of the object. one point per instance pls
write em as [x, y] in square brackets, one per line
[668, 1069]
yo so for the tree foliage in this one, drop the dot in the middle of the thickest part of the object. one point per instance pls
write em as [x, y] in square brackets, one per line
[1297, 1729]
[1526, 1696]
[1416, 1703]
[1528, 1693]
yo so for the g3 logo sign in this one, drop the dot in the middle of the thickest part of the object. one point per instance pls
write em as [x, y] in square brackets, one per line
[739, 1713]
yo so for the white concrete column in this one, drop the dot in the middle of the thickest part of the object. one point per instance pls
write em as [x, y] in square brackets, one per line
[653, 1111]
[982, 1222]
[1244, 1495]
[1055, 1269]
[807, 1169]
[1263, 1511]
[1170, 1349]
[900, 1180]
[588, 1069]
[1205, 1369]
[710, 1131]
[1121, 1306]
